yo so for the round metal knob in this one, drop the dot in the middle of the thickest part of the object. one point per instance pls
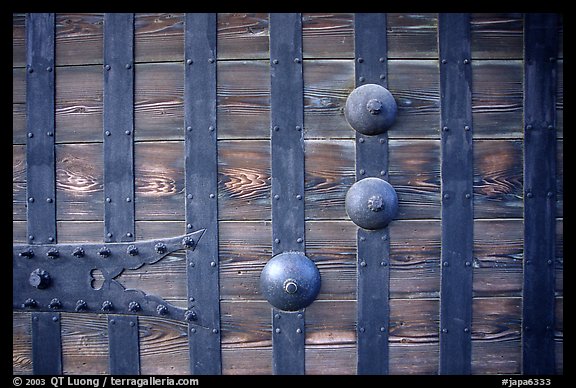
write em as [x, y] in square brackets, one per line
[371, 203]
[370, 109]
[39, 279]
[290, 281]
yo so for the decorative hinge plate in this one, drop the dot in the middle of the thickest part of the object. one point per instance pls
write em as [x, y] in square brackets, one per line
[58, 277]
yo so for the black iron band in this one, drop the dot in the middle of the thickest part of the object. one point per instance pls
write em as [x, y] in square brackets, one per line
[373, 245]
[201, 170]
[118, 144]
[287, 149]
[457, 193]
[40, 174]
[40, 161]
[540, 85]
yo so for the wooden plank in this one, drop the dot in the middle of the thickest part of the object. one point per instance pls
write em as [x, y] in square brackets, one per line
[244, 186]
[496, 35]
[243, 35]
[243, 100]
[79, 38]
[21, 343]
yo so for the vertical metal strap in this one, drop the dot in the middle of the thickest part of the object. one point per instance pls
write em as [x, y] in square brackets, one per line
[540, 83]
[457, 193]
[373, 246]
[124, 347]
[40, 161]
[46, 344]
[40, 175]
[201, 170]
[118, 127]
[119, 220]
[287, 147]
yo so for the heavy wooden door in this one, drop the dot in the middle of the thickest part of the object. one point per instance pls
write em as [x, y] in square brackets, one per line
[161, 160]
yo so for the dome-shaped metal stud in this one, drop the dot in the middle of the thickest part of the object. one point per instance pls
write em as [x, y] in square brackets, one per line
[370, 109]
[371, 203]
[290, 281]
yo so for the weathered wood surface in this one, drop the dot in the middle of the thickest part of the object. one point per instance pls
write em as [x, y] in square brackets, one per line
[244, 188]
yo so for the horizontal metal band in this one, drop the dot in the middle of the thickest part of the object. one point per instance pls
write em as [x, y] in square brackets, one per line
[58, 277]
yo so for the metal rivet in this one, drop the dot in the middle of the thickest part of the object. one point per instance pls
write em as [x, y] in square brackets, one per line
[214, 331]
[31, 199]
[277, 316]
[112, 322]
[298, 197]
[212, 264]
[382, 141]
[468, 196]
[189, 61]
[128, 66]
[275, 61]
[299, 331]
[363, 263]
[107, 67]
[51, 239]
[446, 196]
[109, 235]
[466, 127]
[277, 240]
[300, 316]
[445, 264]
[276, 197]
[382, 173]
[381, 59]
[128, 234]
[278, 331]
[189, 128]
[298, 128]
[30, 237]
[108, 199]
[361, 79]
[50, 133]
[445, 129]
[467, 264]
[55, 318]
[444, 61]
[383, 263]
[549, 262]
[444, 330]
[382, 329]
[189, 196]
[107, 133]
[297, 60]
[30, 135]
[382, 76]
[212, 195]
[550, 127]
[466, 330]
[193, 330]
[132, 324]
[529, 194]
[189, 226]
[49, 69]
[49, 200]
[276, 128]
[466, 61]
[127, 132]
[550, 194]
[361, 140]
[161, 309]
[362, 171]
[362, 330]
[529, 127]
[299, 240]
[360, 60]
[30, 69]
[211, 128]
[211, 60]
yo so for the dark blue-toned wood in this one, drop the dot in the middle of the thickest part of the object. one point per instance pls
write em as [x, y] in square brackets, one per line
[287, 148]
[118, 144]
[123, 345]
[40, 175]
[457, 204]
[40, 162]
[371, 55]
[540, 83]
[46, 344]
[201, 169]
[118, 127]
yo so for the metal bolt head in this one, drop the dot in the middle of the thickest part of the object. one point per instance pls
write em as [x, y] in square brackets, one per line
[107, 306]
[134, 307]
[190, 315]
[78, 252]
[160, 248]
[370, 109]
[104, 252]
[81, 305]
[55, 304]
[39, 278]
[188, 242]
[161, 309]
[132, 250]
